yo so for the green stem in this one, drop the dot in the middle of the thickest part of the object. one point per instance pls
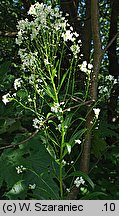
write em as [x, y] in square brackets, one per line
[61, 164]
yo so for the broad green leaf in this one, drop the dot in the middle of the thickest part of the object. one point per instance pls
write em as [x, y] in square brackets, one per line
[22, 93]
[17, 188]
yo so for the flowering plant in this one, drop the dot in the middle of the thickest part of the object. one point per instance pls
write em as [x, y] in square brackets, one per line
[49, 51]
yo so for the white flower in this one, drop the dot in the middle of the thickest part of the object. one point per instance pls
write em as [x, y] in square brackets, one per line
[59, 126]
[103, 89]
[62, 103]
[46, 61]
[17, 83]
[78, 181]
[84, 66]
[38, 123]
[115, 81]
[32, 187]
[20, 169]
[109, 77]
[72, 162]
[5, 98]
[68, 35]
[56, 108]
[68, 190]
[75, 48]
[96, 112]
[76, 34]
[90, 66]
[78, 141]
[63, 162]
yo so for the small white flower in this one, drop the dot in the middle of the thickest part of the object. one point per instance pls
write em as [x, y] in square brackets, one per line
[32, 187]
[68, 190]
[5, 98]
[68, 35]
[63, 162]
[76, 34]
[109, 77]
[78, 181]
[82, 180]
[20, 169]
[96, 112]
[115, 81]
[38, 123]
[46, 61]
[62, 103]
[59, 126]
[90, 66]
[29, 98]
[84, 66]
[17, 83]
[78, 141]
[56, 108]
[72, 162]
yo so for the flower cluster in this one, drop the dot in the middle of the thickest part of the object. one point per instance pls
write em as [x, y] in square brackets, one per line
[45, 19]
[85, 67]
[20, 169]
[6, 98]
[17, 83]
[38, 123]
[96, 112]
[78, 181]
[106, 84]
[78, 141]
[32, 187]
[29, 59]
[56, 108]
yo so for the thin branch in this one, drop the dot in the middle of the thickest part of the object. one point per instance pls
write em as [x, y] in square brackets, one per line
[8, 34]
[20, 143]
[110, 43]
